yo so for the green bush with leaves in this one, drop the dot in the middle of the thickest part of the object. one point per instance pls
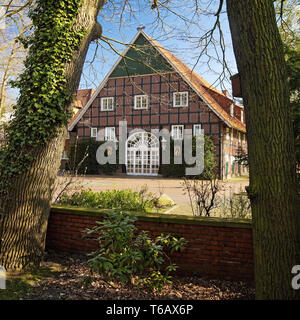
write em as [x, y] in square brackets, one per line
[86, 149]
[110, 199]
[126, 255]
[178, 170]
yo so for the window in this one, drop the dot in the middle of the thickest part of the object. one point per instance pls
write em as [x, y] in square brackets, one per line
[197, 129]
[180, 99]
[232, 110]
[239, 137]
[65, 155]
[141, 102]
[227, 133]
[177, 132]
[68, 135]
[110, 134]
[244, 138]
[94, 132]
[242, 116]
[231, 134]
[107, 104]
[232, 158]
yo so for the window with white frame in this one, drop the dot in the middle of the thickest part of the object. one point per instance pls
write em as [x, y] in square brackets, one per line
[94, 132]
[227, 134]
[180, 99]
[65, 155]
[197, 129]
[140, 102]
[232, 110]
[107, 104]
[110, 133]
[177, 132]
[232, 158]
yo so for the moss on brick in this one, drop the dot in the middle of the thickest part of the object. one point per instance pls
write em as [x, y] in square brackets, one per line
[160, 218]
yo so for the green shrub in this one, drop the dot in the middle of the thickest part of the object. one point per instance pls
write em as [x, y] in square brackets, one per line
[78, 152]
[123, 254]
[110, 199]
[178, 170]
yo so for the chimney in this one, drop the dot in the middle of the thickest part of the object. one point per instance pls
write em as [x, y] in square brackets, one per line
[225, 92]
[140, 28]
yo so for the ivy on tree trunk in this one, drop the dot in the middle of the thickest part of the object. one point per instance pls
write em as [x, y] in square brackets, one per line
[29, 164]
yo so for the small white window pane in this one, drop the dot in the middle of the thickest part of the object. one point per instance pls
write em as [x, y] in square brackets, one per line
[94, 132]
[197, 129]
[177, 132]
[177, 99]
[180, 99]
[184, 99]
[110, 133]
[107, 104]
[65, 155]
[141, 102]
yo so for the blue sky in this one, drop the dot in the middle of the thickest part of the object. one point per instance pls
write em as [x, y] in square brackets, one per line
[176, 35]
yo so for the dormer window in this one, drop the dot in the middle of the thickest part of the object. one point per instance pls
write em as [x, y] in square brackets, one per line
[140, 102]
[180, 99]
[107, 104]
[232, 110]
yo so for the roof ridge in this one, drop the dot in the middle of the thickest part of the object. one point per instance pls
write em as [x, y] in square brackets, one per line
[189, 75]
[196, 82]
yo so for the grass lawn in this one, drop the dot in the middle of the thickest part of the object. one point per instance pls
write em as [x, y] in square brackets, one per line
[21, 285]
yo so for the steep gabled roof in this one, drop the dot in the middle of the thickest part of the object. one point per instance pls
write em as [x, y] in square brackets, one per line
[82, 98]
[197, 83]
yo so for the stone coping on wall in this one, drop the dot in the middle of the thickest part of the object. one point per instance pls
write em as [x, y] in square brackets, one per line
[161, 217]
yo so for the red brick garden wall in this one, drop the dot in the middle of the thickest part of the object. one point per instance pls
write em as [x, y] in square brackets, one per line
[215, 249]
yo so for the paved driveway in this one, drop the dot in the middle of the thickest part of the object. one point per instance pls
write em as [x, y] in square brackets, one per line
[157, 185]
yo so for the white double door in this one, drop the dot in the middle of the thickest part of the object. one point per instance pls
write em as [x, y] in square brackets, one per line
[142, 162]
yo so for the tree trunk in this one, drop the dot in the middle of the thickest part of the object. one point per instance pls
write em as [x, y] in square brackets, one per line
[272, 191]
[26, 208]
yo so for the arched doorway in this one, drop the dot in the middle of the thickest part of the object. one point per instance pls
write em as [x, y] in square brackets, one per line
[142, 154]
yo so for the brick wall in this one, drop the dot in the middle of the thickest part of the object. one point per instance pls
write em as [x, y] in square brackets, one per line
[217, 248]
